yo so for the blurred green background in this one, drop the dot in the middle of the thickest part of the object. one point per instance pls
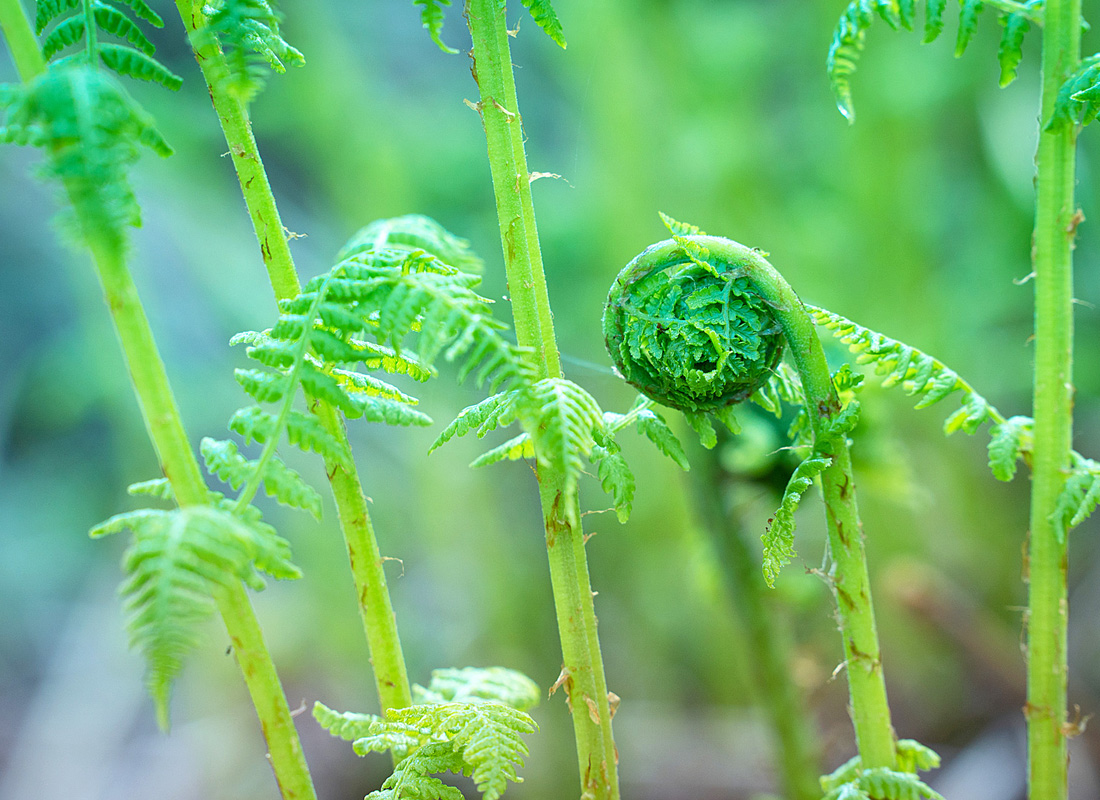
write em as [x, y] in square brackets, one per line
[916, 221]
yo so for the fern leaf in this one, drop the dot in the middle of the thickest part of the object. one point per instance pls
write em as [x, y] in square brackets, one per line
[784, 386]
[431, 16]
[175, 561]
[701, 424]
[412, 778]
[135, 64]
[159, 488]
[1011, 49]
[48, 10]
[914, 756]
[1080, 495]
[247, 31]
[143, 11]
[359, 383]
[478, 685]
[563, 420]
[347, 725]
[677, 228]
[968, 24]
[409, 233]
[616, 479]
[389, 412]
[653, 427]
[919, 374]
[779, 537]
[512, 450]
[933, 19]
[279, 481]
[484, 417]
[543, 14]
[1008, 441]
[1078, 100]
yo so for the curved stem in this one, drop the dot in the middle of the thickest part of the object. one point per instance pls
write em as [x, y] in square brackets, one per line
[1055, 228]
[20, 39]
[848, 575]
[582, 670]
[375, 606]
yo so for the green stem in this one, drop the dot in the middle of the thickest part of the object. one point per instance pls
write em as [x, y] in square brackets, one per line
[165, 427]
[1055, 227]
[20, 39]
[797, 762]
[847, 575]
[582, 671]
[375, 606]
[90, 49]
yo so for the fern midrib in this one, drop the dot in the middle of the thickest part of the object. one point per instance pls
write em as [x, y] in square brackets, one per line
[21, 41]
[1053, 404]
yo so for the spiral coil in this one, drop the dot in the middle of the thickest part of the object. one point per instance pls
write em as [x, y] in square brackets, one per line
[688, 330]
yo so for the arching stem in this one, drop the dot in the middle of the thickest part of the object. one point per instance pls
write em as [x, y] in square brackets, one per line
[582, 670]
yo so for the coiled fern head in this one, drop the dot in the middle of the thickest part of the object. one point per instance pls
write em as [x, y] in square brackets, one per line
[687, 329]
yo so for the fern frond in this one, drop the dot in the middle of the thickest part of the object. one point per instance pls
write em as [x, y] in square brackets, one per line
[485, 736]
[413, 232]
[615, 477]
[412, 779]
[247, 31]
[159, 488]
[650, 424]
[703, 427]
[563, 421]
[431, 16]
[477, 685]
[1008, 441]
[483, 417]
[543, 14]
[1080, 495]
[1078, 100]
[849, 37]
[346, 725]
[176, 560]
[851, 782]
[778, 538]
[91, 131]
[512, 450]
[916, 757]
[279, 481]
[919, 374]
[108, 18]
[135, 64]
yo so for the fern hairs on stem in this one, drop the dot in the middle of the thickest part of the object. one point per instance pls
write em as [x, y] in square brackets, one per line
[700, 266]
[152, 627]
[582, 674]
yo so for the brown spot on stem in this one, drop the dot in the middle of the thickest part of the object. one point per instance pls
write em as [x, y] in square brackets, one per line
[613, 702]
[845, 599]
[593, 711]
[1077, 218]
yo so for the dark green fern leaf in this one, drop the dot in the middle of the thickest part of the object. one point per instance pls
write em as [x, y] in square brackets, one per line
[479, 685]
[279, 481]
[346, 725]
[176, 560]
[703, 427]
[108, 18]
[431, 16]
[247, 31]
[779, 537]
[1011, 49]
[968, 24]
[1078, 100]
[91, 131]
[135, 64]
[543, 14]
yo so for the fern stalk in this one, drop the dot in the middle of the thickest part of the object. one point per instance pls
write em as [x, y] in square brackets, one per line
[162, 420]
[1055, 228]
[233, 115]
[847, 575]
[796, 760]
[582, 671]
[20, 40]
[375, 606]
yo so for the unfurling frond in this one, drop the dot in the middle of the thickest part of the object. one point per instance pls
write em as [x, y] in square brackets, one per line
[1078, 100]
[91, 131]
[850, 35]
[778, 538]
[247, 31]
[431, 16]
[480, 739]
[134, 59]
[174, 564]
[1080, 496]
[479, 685]
[851, 782]
[918, 373]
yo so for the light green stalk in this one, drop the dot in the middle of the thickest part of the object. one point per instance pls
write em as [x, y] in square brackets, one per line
[582, 672]
[375, 606]
[162, 420]
[848, 575]
[165, 427]
[1055, 227]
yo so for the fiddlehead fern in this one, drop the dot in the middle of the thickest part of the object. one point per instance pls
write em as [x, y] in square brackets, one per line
[467, 721]
[851, 34]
